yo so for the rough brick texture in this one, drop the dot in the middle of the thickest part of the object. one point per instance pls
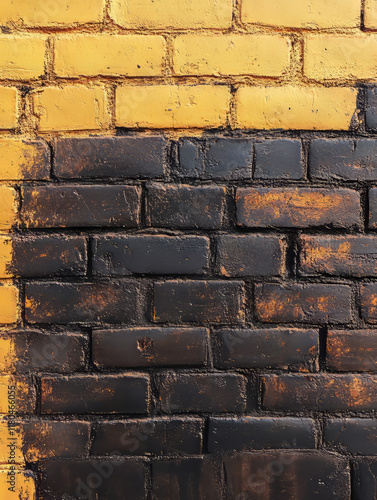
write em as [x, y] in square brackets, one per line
[188, 250]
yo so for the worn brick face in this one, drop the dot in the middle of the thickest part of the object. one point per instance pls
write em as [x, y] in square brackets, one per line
[109, 394]
[307, 303]
[142, 347]
[298, 207]
[199, 301]
[81, 206]
[338, 255]
[185, 206]
[114, 302]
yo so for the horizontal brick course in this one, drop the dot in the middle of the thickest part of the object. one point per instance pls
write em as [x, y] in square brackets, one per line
[279, 159]
[352, 350]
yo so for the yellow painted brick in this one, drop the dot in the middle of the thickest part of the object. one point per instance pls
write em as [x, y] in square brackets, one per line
[91, 55]
[71, 108]
[22, 57]
[370, 14]
[16, 435]
[51, 12]
[172, 14]
[172, 106]
[302, 13]
[329, 57]
[262, 55]
[24, 487]
[8, 207]
[6, 252]
[20, 159]
[8, 303]
[294, 107]
[8, 107]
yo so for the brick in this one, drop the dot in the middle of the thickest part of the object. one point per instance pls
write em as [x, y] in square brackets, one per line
[114, 302]
[330, 57]
[185, 206]
[258, 433]
[8, 207]
[306, 303]
[370, 14]
[143, 347]
[102, 157]
[250, 255]
[81, 206]
[202, 392]
[368, 295]
[9, 100]
[39, 256]
[373, 208]
[158, 436]
[226, 55]
[93, 479]
[47, 439]
[26, 350]
[353, 435]
[305, 14]
[24, 482]
[22, 57]
[172, 14]
[71, 108]
[22, 159]
[127, 393]
[9, 310]
[6, 256]
[371, 104]
[221, 158]
[352, 350]
[109, 55]
[286, 474]
[364, 483]
[30, 13]
[267, 348]
[17, 395]
[298, 207]
[278, 159]
[295, 108]
[338, 255]
[150, 254]
[185, 479]
[320, 392]
[172, 106]
[199, 301]
[343, 159]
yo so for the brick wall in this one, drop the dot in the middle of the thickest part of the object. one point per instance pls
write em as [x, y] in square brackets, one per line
[188, 255]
